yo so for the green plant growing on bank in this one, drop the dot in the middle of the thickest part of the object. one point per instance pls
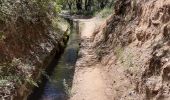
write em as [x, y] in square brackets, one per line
[119, 52]
[31, 82]
[104, 12]
[58, 8]
[9, 73]
[67, 88]
[3, 82]
[125, 57]
[2, 35]
[60, 24]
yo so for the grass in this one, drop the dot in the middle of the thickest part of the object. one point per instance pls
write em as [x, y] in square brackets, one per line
[104, 13]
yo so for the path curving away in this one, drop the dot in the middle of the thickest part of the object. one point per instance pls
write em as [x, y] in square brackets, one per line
[88, 82]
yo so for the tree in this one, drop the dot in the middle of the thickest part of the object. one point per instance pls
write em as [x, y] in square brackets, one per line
[85, 5]
[79, 5]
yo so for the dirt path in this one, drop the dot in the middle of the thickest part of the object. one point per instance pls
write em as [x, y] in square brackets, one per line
[89, 82]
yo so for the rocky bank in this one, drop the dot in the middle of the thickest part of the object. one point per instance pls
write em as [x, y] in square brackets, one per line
[134, 48]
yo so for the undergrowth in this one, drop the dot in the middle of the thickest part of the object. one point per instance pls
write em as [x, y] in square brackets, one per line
[11, 73]
[124, 56]
[104, 13]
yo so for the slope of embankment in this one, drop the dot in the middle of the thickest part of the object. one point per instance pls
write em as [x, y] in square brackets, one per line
[26, 48]
[134, 49]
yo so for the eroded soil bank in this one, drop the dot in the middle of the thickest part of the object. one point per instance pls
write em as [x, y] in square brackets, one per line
[26, 49]
[127, 57]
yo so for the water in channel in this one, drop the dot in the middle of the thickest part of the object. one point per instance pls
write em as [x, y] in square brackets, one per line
[58, 85]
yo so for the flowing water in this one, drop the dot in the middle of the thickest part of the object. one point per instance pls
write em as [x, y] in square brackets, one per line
[57, 85]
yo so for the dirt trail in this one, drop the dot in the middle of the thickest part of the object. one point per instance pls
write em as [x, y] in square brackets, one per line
[89, 82]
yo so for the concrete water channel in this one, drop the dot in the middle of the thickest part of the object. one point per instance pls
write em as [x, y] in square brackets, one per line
[56, 85]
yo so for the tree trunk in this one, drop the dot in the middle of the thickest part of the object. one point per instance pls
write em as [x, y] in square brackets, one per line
[70, 6]
[88, 5]
[103, 4]
[79, 5]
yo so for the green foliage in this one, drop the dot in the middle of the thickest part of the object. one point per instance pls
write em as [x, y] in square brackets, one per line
[58, 8]
[2, 35]
[27, 9]
[10, 73]
[31, 82]
[104, 13]
[87, 7]
[67, 88]
[3, 82]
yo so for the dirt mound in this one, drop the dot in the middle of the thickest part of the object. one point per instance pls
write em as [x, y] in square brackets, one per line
[135, 43]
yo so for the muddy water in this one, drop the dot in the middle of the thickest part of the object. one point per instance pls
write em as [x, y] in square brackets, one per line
[57, 84]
